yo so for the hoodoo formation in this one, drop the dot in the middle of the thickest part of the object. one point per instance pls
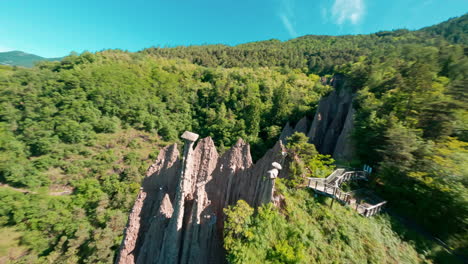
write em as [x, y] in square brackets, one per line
[178, 215]
[331, 127]
[89, 172]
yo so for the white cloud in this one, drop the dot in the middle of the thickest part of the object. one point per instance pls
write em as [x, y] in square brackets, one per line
[288, 25]
[348, 10]
[287, 16]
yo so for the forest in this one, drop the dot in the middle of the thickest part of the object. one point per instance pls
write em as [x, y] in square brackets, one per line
[78, 135]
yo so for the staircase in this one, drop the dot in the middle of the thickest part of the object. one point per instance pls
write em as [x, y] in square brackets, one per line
[330, 187]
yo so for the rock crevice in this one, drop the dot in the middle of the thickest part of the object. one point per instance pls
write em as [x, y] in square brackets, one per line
[178, 215]
[332, 124]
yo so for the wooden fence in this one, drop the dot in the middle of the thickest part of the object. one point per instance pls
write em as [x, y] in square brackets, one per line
[330, 187]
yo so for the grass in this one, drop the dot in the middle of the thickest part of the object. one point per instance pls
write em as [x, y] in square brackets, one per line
[422, 243]
[391, 237]
[110, 166]
[6, 70]
[105, 152]
[309, 230]
[10, 248]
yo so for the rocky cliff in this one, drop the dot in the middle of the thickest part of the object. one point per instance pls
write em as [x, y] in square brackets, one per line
[178, 215]
[331, 127]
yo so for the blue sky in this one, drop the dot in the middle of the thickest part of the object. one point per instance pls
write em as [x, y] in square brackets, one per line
[53, 28]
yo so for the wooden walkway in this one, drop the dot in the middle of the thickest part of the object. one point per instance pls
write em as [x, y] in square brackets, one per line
[330, 187]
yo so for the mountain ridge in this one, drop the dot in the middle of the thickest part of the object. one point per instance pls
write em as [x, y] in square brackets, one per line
[21, 58]
[443, 29]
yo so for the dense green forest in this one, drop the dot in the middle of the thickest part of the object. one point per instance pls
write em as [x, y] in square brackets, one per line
[93, 122]
[19, 58]
[310, 231]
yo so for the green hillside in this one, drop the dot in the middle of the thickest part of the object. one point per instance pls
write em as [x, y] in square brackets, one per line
[92, 123]
[319, 54]
[19, 58]
[309, 230]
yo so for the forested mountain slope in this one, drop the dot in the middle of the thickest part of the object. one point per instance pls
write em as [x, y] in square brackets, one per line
[93, 122]
[319, 54]
[308, 230]
[19, 58]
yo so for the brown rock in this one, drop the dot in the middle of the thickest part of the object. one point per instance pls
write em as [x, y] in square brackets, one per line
[160, 182]
[178, 214]
[189, 229]
[287, 131]
[332, 125]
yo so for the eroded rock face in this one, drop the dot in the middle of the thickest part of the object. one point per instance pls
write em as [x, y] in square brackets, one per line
[178, 214]
[331, 127]
[179, 219]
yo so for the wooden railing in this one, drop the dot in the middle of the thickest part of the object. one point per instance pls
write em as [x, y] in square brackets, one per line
[350, 175]
[338, 177]
[329, 190]
[330, 186]
[370, 211]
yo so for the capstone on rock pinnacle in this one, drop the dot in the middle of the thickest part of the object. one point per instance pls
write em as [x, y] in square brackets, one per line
[190, 136]
[178, 217]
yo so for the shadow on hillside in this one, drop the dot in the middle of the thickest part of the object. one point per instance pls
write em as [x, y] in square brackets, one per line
[424, 242]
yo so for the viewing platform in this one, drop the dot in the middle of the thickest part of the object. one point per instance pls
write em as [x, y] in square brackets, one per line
[362, 200]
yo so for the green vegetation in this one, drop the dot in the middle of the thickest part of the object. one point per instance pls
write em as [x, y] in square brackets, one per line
[93, 122]
[319, 54]
[411, 126]
[87, 225]
[306, 161]
[307, 230]
[19, 58]
[9, 244]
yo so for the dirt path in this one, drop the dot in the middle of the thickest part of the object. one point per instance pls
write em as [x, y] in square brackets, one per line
[16, 189]
[67, 190]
